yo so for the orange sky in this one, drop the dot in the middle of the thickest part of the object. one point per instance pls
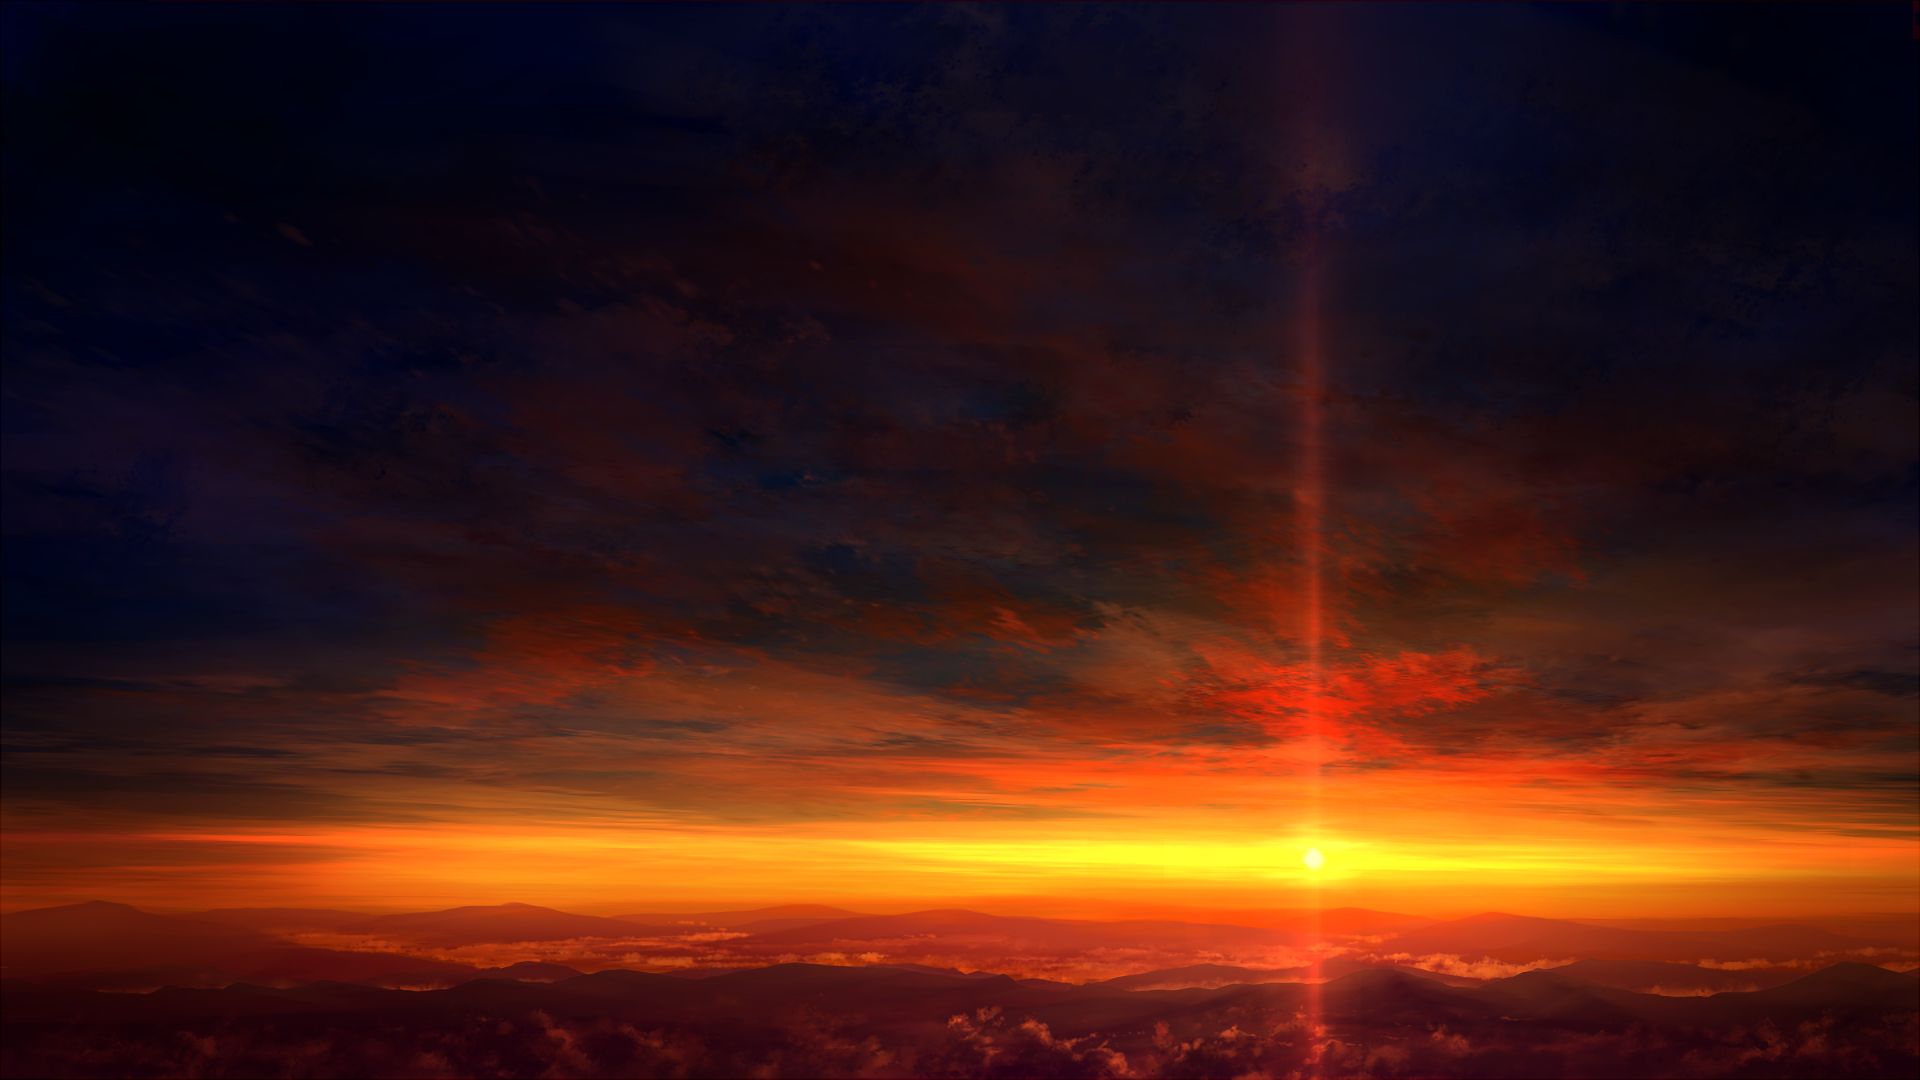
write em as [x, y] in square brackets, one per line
[1149, 830]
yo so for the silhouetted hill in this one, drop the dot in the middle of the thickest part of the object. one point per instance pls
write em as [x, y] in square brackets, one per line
[781, 917]
[1847, 989]
[529, 971]
[1202, 976]
[113, 946]
[1211, 976]
[1655, 977]
[1352, 921]
[1525, 939]
[99, 936]
[496, 923]
[1550, 998]
[815, 1020]
[299, 965]
[973, 930]
[862, 988]
[273, 920]
[1384, 995]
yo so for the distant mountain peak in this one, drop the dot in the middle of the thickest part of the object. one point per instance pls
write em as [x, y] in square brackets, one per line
[88, 905]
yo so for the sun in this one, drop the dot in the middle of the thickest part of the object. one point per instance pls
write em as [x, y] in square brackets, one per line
[1313, 858]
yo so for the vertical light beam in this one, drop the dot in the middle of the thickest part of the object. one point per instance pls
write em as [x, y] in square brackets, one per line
[1310, 511]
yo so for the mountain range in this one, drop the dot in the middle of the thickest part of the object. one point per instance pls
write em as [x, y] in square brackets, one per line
[517, 989]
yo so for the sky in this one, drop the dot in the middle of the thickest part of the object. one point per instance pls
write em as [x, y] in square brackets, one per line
[1065, 458]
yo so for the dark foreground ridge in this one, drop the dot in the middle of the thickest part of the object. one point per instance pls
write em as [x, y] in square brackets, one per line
[810, 1020]
[101, 989]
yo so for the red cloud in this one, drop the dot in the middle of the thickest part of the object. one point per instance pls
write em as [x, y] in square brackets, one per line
[1349, 693]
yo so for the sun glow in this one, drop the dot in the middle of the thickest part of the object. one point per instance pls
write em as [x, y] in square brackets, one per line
[1313, 858]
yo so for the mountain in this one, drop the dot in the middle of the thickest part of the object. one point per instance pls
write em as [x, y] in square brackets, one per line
[1211, 976]
[1550, 998]
[1518, 938]
[1673, 980]
[97, 936]
[963, 930]
[1206, 976]
[294, 965]
[1898, 930]
[272, 920]
[496, 923]
[1846, 992]
[1842, 992]
[107, 946]
[1337, 922]
[529, 971]
[1377, 996]
[781, 917]
[803, 1020]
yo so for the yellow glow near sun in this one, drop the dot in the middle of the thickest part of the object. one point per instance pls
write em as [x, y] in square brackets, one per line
[1371, 859]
